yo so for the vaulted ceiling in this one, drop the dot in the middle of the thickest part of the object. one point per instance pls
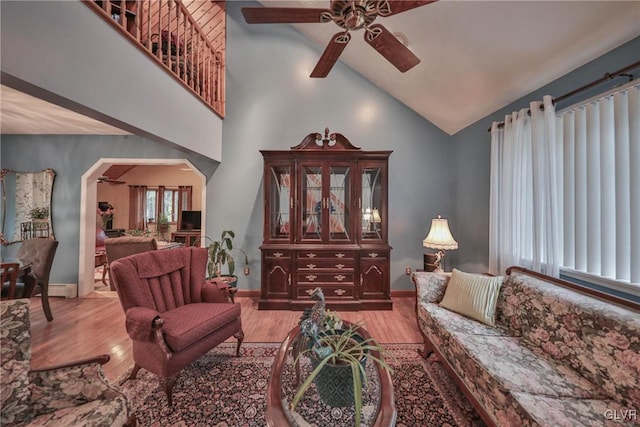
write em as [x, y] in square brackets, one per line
[476, 56]
[479, 56]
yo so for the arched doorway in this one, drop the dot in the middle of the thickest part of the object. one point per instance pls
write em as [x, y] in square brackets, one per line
[88, 201]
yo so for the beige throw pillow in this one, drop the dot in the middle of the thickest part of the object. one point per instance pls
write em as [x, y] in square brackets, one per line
[473, 295]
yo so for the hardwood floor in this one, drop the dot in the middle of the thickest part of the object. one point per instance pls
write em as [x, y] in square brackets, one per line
[84, 327]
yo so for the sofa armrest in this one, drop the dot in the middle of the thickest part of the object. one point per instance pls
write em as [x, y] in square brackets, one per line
[430, 287]
[214, 291]
[141, 322]
[70, 385]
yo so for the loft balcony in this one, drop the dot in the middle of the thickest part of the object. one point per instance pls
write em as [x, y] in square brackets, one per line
[186, 38]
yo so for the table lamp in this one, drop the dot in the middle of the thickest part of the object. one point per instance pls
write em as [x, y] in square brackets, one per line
[439, 238]
[375, 221]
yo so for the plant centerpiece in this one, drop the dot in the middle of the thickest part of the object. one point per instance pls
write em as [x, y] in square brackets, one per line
[39, 214]
[138, 232]
[220, 254]
[338, 357]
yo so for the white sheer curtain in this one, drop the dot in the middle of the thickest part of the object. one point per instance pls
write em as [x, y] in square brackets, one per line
[524, 205]
[601, 150]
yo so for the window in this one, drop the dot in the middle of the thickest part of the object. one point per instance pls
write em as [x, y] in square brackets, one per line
[583, 169]
[150, 207]
[170, 204]
[601, 189]
[166, 201]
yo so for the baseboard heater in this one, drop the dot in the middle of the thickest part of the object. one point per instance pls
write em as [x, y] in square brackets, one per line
[67, 290]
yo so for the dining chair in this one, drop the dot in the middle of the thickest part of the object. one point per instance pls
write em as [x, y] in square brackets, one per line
[9, 276]
[38, 255]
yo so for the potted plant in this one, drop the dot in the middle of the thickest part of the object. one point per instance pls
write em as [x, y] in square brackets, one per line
[338, 356]
[39, 214]
[162, 225]
[220, 254]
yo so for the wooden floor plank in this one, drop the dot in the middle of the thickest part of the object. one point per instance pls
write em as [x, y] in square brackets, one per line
[84, 327]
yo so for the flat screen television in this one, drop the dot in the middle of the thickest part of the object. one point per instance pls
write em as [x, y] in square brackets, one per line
[191, 220]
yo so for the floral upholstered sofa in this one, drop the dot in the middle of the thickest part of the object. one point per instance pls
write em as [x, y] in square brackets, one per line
[554, 356]
[75, 394]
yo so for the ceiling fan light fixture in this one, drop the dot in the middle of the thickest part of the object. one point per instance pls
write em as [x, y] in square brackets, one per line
[354, 20]
[402, 37]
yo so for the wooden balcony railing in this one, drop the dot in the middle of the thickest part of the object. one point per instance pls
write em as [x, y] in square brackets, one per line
[168, 32]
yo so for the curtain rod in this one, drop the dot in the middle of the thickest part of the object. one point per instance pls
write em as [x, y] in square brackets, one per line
[606, 77]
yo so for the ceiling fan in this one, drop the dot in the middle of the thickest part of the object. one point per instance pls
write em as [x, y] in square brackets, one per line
[350, 15]
[105, 178]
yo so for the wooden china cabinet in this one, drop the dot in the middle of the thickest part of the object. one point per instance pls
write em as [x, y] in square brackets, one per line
[325, 225]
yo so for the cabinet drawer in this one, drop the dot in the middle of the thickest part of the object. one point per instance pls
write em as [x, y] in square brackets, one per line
[330, 292]
[321, 265]
[276, 254]
[373, 254]
[334, 255]
[318, 279]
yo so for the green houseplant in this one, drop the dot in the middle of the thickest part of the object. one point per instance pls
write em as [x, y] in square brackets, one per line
[162, 225]
[340, 355]
[39, 214]
[220, 254]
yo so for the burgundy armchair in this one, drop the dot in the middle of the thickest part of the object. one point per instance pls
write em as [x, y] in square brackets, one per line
[173, 315]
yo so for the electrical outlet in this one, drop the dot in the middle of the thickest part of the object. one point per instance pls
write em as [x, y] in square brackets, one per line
[407, 271]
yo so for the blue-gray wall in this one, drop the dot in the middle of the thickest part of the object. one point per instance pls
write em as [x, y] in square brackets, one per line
[70, 156]
[273, 104]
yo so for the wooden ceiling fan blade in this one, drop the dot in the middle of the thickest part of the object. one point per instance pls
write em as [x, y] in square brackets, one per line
[390, 47]
[283, 15]
[109, 180]
[392, 7]
[331, 54]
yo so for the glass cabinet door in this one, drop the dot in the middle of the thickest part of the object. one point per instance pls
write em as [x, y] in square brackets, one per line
[371, 203]
[280, 201]
[312, 202]
[337, 203]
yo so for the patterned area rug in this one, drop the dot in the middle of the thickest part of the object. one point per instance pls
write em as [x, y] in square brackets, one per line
[222, 390]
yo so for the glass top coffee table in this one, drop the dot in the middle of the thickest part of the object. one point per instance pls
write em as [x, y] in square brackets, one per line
[378, 407]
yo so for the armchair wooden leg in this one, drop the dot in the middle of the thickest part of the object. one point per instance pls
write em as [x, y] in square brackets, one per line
[240, 336]
[167, 385]
[132, 421]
